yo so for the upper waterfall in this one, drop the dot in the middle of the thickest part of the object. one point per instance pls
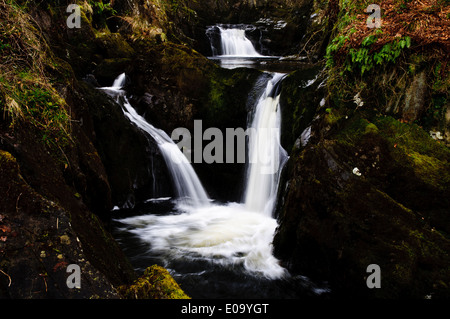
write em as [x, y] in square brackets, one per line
[235, 43]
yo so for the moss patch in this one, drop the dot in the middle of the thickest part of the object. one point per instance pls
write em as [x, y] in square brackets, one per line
[155, 283]
[429, 159]
[226, 104]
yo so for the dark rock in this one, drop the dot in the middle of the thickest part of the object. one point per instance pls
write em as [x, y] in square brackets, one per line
[415, 98]
[132, 161]
[39, 243]
[356, 198]
[40, 207]
[109, 69]
[300, 98]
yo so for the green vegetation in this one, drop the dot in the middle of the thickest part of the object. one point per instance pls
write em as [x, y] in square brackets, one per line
[155, 283]
[101, 12]
[430, 160]
[26, 92]
[180, 7]
[396, 69]
[364, 58]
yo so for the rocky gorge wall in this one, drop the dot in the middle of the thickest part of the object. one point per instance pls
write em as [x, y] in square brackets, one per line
[367, 182]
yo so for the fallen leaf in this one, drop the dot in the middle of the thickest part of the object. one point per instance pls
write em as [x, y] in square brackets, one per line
[60, 265]
[5, 228]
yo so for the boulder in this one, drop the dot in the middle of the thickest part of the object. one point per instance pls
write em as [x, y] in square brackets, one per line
[373, 192]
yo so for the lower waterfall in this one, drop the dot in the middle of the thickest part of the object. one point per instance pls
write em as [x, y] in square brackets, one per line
[266, 155]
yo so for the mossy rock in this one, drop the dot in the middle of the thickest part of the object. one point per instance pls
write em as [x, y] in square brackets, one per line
[113, 45]
[394, 213]
[109, 69]
[155, 283]
[34, 253]
[299, 101]
[226, 105]
[188, 69]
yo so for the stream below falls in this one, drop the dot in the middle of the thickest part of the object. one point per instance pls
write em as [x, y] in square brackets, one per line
[220, 252]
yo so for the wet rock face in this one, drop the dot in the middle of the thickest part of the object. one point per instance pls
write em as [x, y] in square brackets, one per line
[131, 161]
[415, 99]
[40, 237]
[301, 95]
[279, 37]
[356, 198]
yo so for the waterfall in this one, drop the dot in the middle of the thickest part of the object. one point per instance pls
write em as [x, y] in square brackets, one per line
[186, 183]
[266, 155]
[119, 82]
[235, 43]
[223, 235]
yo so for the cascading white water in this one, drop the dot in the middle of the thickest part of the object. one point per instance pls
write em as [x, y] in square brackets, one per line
[186, 183]
[235, 43]
[266, 155]
[119, 83]
[228, 235]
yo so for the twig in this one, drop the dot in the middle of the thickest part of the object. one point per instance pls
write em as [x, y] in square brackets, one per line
[45, 281]
[10, 281]
[17, 202]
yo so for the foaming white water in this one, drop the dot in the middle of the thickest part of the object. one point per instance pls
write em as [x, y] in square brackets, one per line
[235, 43]
[266, 156]
[222, 234]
